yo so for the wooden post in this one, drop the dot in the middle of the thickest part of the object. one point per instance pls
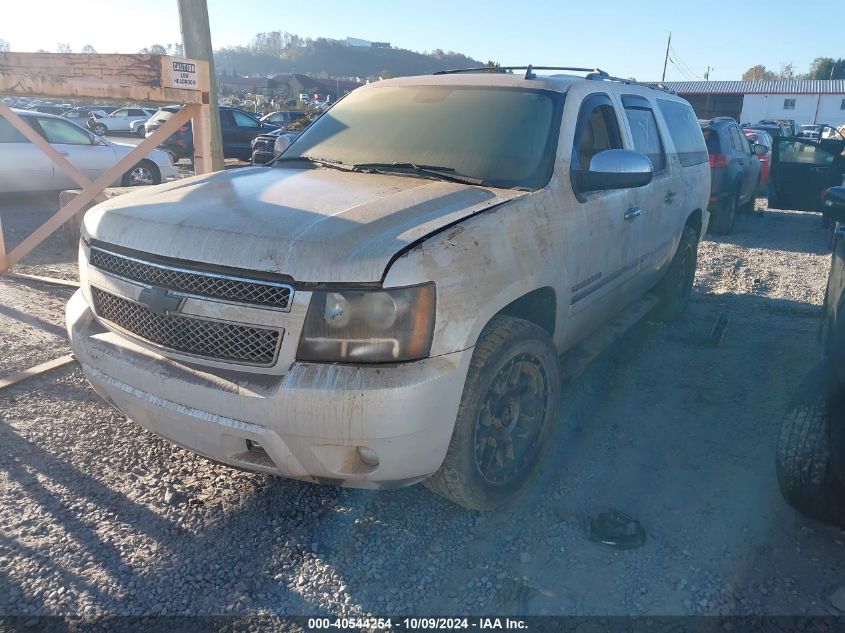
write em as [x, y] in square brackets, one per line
[196, 39]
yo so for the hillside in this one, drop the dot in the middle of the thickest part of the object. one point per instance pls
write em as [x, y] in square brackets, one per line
[290, 54]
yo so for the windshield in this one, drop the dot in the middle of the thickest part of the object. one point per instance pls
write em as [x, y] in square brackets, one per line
[500, 136]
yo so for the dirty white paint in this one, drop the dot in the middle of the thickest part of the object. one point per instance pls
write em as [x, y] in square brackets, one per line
[483, 247]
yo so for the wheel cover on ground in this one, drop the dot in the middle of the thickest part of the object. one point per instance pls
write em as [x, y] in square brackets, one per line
[511, 420]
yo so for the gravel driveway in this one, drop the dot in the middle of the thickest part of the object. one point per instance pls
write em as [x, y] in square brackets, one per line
[678, 430]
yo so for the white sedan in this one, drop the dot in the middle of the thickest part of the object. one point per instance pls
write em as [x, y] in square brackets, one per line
[24, 167]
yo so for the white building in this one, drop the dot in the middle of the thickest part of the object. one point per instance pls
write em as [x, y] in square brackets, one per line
[805, 101]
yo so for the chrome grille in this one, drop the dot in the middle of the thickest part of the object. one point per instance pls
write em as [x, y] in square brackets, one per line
[199, 337]
[264, 145]
[214, 286]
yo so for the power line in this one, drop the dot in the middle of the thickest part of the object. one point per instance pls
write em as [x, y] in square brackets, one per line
[684, 64]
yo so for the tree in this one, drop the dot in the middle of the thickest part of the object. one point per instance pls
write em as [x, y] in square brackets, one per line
[826, 68]
[787, 71]
[175, 49]
[4, 45]
[758, 73]
[88, 49]
[63, 47]
[155, 49]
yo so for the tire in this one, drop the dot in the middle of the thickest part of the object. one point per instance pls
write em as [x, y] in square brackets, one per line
[475, 473]
[143, 174]
[805, 473]
[748, 207]
[99, 129]
[141, 131]
[675, 288]
[722, 221]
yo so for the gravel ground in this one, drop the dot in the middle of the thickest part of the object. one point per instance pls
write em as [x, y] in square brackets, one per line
[99, 516]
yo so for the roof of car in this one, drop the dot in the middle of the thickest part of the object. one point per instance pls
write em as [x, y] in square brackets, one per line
[558, 82]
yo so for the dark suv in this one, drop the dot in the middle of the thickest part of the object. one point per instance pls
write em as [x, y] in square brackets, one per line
[811, 448]
[735, 169]
[237, 127]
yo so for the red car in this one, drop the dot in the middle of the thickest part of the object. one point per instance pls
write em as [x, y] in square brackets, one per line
[760, 137]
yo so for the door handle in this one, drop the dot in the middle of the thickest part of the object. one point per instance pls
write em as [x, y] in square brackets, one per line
[819, 170]
[632, 213]
[670, 195]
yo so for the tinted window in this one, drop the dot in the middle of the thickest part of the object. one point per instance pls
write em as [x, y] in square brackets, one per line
[137, 112]
[58, 131]
[244, 120]
[120, 113]
[226, 118]
[504, 136]
[685, 132]
[9, 134]
[646, 135]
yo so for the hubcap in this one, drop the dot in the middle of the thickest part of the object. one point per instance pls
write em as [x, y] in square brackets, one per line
[511, 420]
[140, 176]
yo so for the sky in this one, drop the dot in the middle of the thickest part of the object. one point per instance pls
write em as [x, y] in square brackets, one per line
[612, 35]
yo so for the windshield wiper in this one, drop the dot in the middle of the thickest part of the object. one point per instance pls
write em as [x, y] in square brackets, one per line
[323, 162]
[433, 171]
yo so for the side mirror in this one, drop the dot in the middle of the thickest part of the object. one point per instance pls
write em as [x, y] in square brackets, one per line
[760, 149]
[616, 169]
[833, 204]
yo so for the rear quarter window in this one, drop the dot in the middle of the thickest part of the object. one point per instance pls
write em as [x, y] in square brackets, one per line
[711, 138]
[685, 132]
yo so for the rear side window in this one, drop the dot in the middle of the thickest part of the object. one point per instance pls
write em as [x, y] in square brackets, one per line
[9, 134]
[685, 132]
[711, 138]
[644, 131]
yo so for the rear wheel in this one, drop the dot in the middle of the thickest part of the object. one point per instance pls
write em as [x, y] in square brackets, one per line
[99, 129]
[722, 220]
[507, 410]
[141, 131]
[805, 472]
[675, 288]
[144, 173]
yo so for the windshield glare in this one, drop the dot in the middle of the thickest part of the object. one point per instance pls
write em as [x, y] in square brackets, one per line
[505, 137]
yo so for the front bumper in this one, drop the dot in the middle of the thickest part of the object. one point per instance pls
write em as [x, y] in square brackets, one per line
[306, 424]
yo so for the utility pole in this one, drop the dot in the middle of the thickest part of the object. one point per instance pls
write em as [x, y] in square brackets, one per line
[707, 74]
[196, 40]
[666, 59]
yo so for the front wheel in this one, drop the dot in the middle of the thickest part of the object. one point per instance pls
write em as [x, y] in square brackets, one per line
[675, 288]
[142, 174]
[507, 411]
[141, 131]
[99, 129]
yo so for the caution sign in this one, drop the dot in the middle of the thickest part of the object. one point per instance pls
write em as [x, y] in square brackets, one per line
[184, 74]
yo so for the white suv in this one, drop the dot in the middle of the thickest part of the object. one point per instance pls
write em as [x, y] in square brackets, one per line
[386, 302]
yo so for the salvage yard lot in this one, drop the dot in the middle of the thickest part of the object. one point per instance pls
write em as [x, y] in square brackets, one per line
[670, 425]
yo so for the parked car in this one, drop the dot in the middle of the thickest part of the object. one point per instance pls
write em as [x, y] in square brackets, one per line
[810, 458]
[24, 167]
[386, 303]
[119, 120]
[802, 170]
[283, 118]
[759, 137]
[81, 115]
[810, 131]
[139, 127]
[267, 146]
[238, 129]
[736, 172]
[48, 109]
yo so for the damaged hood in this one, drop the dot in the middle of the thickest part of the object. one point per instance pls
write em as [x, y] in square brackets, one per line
[316, 225]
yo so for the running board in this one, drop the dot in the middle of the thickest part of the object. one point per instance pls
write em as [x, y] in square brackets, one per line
[576, 360]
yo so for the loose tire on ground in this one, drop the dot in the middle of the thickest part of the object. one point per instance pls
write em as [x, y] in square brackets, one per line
[722, 220]
[675, 288]
[513, 362]
[805, 474]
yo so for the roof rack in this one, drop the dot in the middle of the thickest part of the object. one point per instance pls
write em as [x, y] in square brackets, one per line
[594, 74]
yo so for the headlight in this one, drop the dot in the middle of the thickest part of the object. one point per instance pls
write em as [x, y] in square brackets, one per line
[369, 326]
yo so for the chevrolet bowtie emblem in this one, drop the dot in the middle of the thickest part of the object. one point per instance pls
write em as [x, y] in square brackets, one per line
[159, 301]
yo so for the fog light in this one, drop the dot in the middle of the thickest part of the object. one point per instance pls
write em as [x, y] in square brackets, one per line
[368, 456]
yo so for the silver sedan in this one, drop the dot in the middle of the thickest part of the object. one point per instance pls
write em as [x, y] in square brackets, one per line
[24, 167]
